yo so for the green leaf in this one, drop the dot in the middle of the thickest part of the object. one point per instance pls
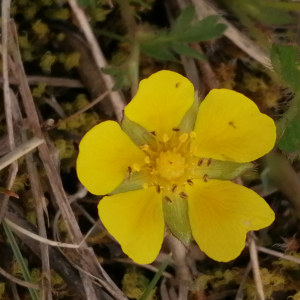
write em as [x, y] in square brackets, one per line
[183, 49]
[222, 170]
[158, 51]
[176, 216]
[204, 30]
[285, 61]
[184, 20]
[85, 3]
[290, 141]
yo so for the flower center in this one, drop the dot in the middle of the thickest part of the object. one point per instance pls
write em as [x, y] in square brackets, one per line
[170, 165]
[170, 162]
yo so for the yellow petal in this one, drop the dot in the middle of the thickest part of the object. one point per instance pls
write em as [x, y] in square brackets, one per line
[135, 220]
[230, 127]
[105, 153]
[221, 213]
[161, 102]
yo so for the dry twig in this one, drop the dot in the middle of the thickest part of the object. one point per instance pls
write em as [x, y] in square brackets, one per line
[116, 98]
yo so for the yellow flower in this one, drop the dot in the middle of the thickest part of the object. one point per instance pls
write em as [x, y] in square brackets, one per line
[171, 167]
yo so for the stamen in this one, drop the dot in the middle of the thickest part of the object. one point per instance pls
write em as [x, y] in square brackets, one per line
[168, 199]
[165, 137]
[174, 188]
[183, 138]
[205, 178]
[190, 182]
[145, 185]
[147, 160]
[193, 134]
[183, 195]
[153, 132]
[158, 188]
[136, 167]
[209, 161]
[144, 147]
[200, 162]
[176, 129]
[129, 170]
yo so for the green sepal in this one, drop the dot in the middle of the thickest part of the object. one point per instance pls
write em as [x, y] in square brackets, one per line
[138, 134]
[176, 217]
[132, 182]
[222, 170]
[187, 123]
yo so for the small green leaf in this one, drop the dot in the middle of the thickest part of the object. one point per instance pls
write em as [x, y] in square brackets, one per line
[184, 20]
[290, 141]
[222, 170]
[138, 134]
[285, 61]
[265, 14]
[187, 123]
[183, 49]
[204, 30]
[176, 216]
[133, 182]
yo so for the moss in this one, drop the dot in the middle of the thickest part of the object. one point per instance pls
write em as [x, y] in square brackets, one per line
[19, 183]
[134, 285]
[40, 29]
[47, 61]
[39, 90]
[66, 148]
[72, 60]
[2, 290]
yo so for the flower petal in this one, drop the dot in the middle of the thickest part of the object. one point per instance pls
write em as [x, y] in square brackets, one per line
[105, 153]
[161, 102]
[136, 221]
[230, 127]
[221, 213]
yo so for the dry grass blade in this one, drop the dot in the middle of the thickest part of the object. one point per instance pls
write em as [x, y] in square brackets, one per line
[86, 258]
[50, 81]
[19, 152]
[116, 98]
[19, 281]
[39, 238]
[255, 266]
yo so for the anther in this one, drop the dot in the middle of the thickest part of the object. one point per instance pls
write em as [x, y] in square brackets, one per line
[153, 132]
[205, 178]
[136, 167]
[183, 138]
[145, 185]
[158, 188]
[176, 129]
[209, 161]
[193, 134]
[165, 137]
[174, 188]
[129, 170]
[183, 195]
[190, 182]
[200, 162]
[168, 199]
[144, 147]
[147, 160]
